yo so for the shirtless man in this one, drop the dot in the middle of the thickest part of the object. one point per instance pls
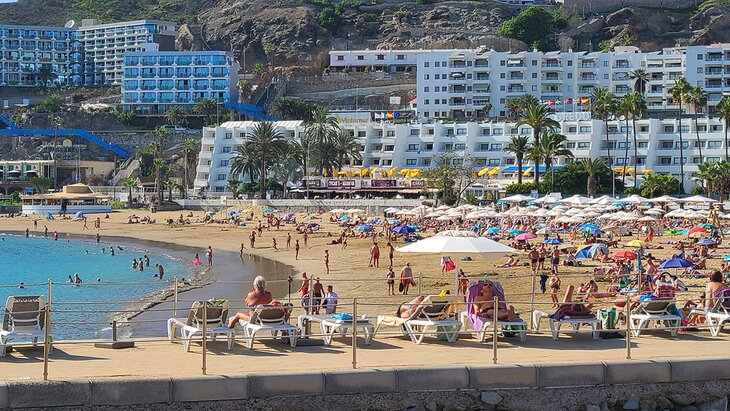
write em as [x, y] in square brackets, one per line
[533, 255]
[257, 296]
[485, 305]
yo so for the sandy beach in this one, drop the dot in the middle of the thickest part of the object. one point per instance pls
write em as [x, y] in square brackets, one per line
[350, 274]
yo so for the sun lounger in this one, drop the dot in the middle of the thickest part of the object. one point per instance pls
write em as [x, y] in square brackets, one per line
[330, 325]
[574, 322]
[24, 317]
[215, 324]
[480, 324]
[270, 318]
[429, 316]
[654, 309]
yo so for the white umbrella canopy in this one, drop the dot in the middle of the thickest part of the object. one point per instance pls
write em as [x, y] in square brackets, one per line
[654, 211]
[576, 200]
[697, 199]
[548, 199]
[603, 200]
[342, 210]
[355, 211]
[634, 199]
[458, 243]
[443, 207]
[647, 218]
[517, 198]
[664, 199]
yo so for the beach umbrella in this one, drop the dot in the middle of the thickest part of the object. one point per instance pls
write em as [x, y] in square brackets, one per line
[344, 218]
[697, 230]
[458, 243]
[365, 228]
[403, 229]
[635, 243]
[525, 236]
[583, 252]
[673, 231]
[553, 241]
[706, 241]
[634, 199]
[340, 210]
[587, 226]
[625, 254]
[413, 227]
[591, 251]
[697, 199]
[517, 198]
[493, 230]
[79, 215]
[595, 231]
[516, 231]
[707, 226]
[394, 222]
[267, 210]
[544, 230]
[647, 219]
[675, 263]
[230, 213]
[664, 199]
[355, 211]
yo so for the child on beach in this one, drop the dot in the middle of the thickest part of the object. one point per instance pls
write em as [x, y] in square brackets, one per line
[296, 250]
[554, 285]
[390, 278]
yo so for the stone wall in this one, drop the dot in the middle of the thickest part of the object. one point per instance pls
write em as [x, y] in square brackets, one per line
[633, 385]
[597, 6]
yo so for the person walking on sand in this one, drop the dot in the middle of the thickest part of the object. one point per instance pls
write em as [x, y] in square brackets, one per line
[296, 249]
[288, 240]
[252, 239]
[406, 277]
[45, 231]
[390, 279]
[273, 243]
[86, 227]
[554, 285]
[209, 255]
[374, 255]
[391, 250]
[55, 236]
[306, 237]
[304, 289]
[240, 250]
[35, 225]
[327, 261]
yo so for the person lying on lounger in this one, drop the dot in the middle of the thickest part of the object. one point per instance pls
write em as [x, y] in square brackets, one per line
[511, 262]
[485, 305]
[571, 308]
[406, 310]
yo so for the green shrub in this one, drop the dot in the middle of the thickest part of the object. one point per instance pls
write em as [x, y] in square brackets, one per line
[118, 205]
[329, 19]
[370, 17]
[524, 188]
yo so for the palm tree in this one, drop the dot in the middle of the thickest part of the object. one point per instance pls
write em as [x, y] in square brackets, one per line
[324, 158]
[129, 183]
[171, 185]
[706, 175]
[517, 107]
[679, 91]
[304, 147]
[518, 145]
[697, 99]
[487, 108]
[245, 88]
[538, 117]
[322, 129]
[553, 146]
[637, 109]
[723, 110]
[659, 184]
[175, 115]
[592, 167]
[45, 74]
[191, 147]
[245, 160]
[603, 106]
[289, 165]
[206, 107]
[234, 184]
[348, 148]
[159, 163]
[57, 123]
[640, 77]
[268, 143]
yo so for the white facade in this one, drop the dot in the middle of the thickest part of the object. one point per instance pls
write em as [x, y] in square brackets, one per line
[411, 146]
[157, 80]
[457, 83]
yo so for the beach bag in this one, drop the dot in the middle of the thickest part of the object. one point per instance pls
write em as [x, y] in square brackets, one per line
[512, 330]
[608, 318]
[400, 287]
[442, 330]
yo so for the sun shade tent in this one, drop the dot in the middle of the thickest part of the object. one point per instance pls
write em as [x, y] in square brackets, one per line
[458, 244]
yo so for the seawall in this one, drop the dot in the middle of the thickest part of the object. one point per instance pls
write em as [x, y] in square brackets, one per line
[698, 384]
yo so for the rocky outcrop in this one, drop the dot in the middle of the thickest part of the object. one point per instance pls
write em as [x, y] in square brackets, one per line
[711, 26]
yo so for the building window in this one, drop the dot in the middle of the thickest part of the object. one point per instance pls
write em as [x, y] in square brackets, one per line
[224, 163]
[381, 56]
[676, 160]
[411, 161]
[585, 129]
[460, 131]
[495, 147]
[700, 57]
[459, 146]
[425, 89]
[413, 147]
[226, 149]
[584, 145]
[426, 64]
[643, 144]
[497, 131]
[425, 77]
[570, 145]
[714, 144]
[340, 58]
[221, 177]
[668, 129]
[494, 162]
[415, 132]
[229, 136]
[390, 133]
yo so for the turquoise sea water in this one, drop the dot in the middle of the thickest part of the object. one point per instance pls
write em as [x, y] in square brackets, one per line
[34, 260]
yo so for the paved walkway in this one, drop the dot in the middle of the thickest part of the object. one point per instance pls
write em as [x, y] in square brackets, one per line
[162, 358]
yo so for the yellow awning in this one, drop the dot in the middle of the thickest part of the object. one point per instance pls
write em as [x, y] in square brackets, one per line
[647, 171]
[372, 172]
[414, 173]
[392, 171]
[341, 174]
[404, 172]
[483, 171]
[527, 172]
[363, 172]
[493, 172]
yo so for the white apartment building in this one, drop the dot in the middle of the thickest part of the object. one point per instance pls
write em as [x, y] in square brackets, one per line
[155, 80]
[104, 45]
[25, 50]
[387, 145]
[457, 83]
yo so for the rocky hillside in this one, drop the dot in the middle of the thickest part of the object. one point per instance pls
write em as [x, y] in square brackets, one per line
[300, 32]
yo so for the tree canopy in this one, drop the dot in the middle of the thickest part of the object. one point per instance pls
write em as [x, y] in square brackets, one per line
[535, 26]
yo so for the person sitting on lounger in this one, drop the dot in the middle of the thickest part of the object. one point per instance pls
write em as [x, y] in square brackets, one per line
[257, 296]
[406, 310]
[485, 304]
[571, 308]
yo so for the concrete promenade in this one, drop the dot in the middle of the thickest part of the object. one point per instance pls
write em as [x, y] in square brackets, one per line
[161, 372]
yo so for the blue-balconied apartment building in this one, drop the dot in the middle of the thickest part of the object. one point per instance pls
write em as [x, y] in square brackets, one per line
[155, 80]
[90, 54]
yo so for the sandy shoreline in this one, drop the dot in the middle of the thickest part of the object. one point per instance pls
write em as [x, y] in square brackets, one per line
[349, 271]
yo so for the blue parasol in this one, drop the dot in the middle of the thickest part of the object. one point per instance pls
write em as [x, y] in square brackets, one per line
[365, 228]
[675, 263]
[553, 241]
[403, 229]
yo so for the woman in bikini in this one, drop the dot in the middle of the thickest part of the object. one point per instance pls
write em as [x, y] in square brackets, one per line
[485, 305]
[406, 310]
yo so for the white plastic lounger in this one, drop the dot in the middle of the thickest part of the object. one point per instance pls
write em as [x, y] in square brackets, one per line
[269, 318]
[215, 318]
[574, 322]
[655, 310]
[426, 318]
[24, 318]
